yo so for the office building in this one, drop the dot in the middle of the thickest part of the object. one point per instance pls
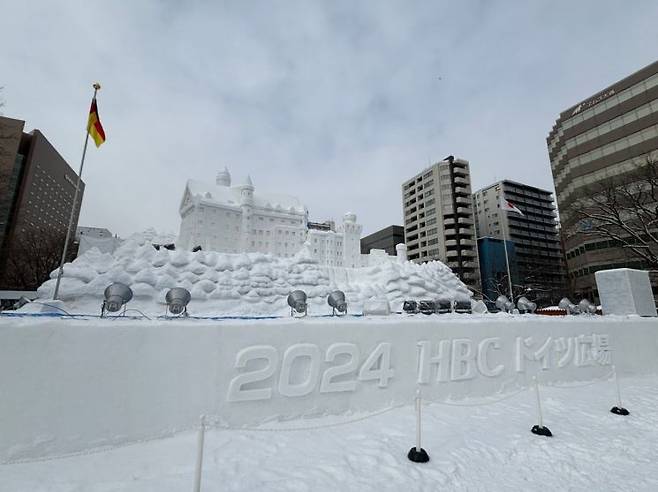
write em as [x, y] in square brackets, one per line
[385, 239]
[438, 218]
[538, 257]
[37, 187]
[493, 268]
[606, 135]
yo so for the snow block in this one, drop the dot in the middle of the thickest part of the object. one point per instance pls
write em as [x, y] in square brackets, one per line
[625, 291]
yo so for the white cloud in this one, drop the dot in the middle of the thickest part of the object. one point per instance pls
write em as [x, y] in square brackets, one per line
[336, 102]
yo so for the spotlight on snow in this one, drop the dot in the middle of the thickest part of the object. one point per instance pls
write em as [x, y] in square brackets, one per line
[337, 302]
[177, 300]
[410, 307]
[427, 307]
[116, 295]
[586, 307]
[501, 302]
[509, 306]
[297, 302]
[444, 306]
[463, 307]
[525, 306]
[564, 303]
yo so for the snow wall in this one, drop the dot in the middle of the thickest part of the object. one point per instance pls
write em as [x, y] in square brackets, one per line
[68, 385]
[244, 284]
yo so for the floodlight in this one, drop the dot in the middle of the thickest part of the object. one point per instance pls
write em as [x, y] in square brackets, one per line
[297, 302]
[463, 307]
[586, 307]
[337, 302]
[116, 295]
[443, 306]
[509, 306]
[525, 306]
[573, 309]
[427, 307]
[410, 307]
[177, 300]
[501, 302]
[564, 303]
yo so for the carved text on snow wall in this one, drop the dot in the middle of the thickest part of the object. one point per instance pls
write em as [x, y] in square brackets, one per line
[305, 368]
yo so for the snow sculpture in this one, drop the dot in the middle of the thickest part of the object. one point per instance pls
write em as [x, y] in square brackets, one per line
[246, 283]
[237, 219]
[625, 291]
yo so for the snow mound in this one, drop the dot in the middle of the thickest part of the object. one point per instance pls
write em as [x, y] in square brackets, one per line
[243, 284]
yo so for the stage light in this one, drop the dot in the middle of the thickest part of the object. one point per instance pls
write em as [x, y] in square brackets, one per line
[444, 306]
[116, 295]
[410, 307]
[586, 307]
[525, 306]
[177, 300]
[297, 302]
[337, 302]
[463, 307]
[501, 302]
[427, 307]
[564, 303]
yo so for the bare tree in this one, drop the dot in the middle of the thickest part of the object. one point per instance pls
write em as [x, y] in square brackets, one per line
[32, 257]
[623, 209]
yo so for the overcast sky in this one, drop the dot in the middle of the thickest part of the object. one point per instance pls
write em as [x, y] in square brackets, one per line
[335, 102]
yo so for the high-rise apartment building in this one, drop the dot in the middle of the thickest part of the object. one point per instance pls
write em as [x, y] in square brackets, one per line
[438, 218]
[537, 249]
[608, 134]
[36, 194]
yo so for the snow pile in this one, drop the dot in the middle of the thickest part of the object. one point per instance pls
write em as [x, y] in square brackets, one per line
[243, 284]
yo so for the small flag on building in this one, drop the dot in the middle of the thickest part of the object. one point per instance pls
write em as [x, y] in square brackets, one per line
[509, 206]
[94, 126]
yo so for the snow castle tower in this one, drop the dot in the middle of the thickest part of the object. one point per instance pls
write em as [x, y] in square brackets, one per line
[247, 206]
[351, 241]
[223, 178]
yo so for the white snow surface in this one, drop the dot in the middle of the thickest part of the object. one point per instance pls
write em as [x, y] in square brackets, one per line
[472, 448]
[242, 284]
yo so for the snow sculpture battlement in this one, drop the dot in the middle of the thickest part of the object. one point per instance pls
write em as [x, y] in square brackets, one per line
[244, 284]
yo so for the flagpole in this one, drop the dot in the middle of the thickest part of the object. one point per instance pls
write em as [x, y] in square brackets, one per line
[96, 86]
[509, 275]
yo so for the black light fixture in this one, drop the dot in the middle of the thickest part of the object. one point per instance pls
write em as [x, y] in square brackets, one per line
[116, 296]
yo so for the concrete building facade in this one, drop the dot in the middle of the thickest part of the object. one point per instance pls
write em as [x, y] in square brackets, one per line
[37, 187]
[385, 239]
[608, 134]
[538, 257]
[438, 218]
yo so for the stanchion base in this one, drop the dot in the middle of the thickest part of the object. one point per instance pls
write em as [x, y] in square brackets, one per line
[418, 456]
[619, 411]
[541, 431]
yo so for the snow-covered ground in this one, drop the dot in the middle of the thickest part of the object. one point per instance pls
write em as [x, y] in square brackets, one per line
[471, 447]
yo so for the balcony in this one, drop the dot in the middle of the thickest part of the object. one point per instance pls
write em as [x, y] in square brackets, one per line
[451, 242]
[451, 254]
[459, 180]
[468, 252]
[462, 200]
[466, 242]
[449, 222]
[465, 220]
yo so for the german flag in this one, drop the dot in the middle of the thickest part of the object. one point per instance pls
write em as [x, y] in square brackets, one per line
[94, 126]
